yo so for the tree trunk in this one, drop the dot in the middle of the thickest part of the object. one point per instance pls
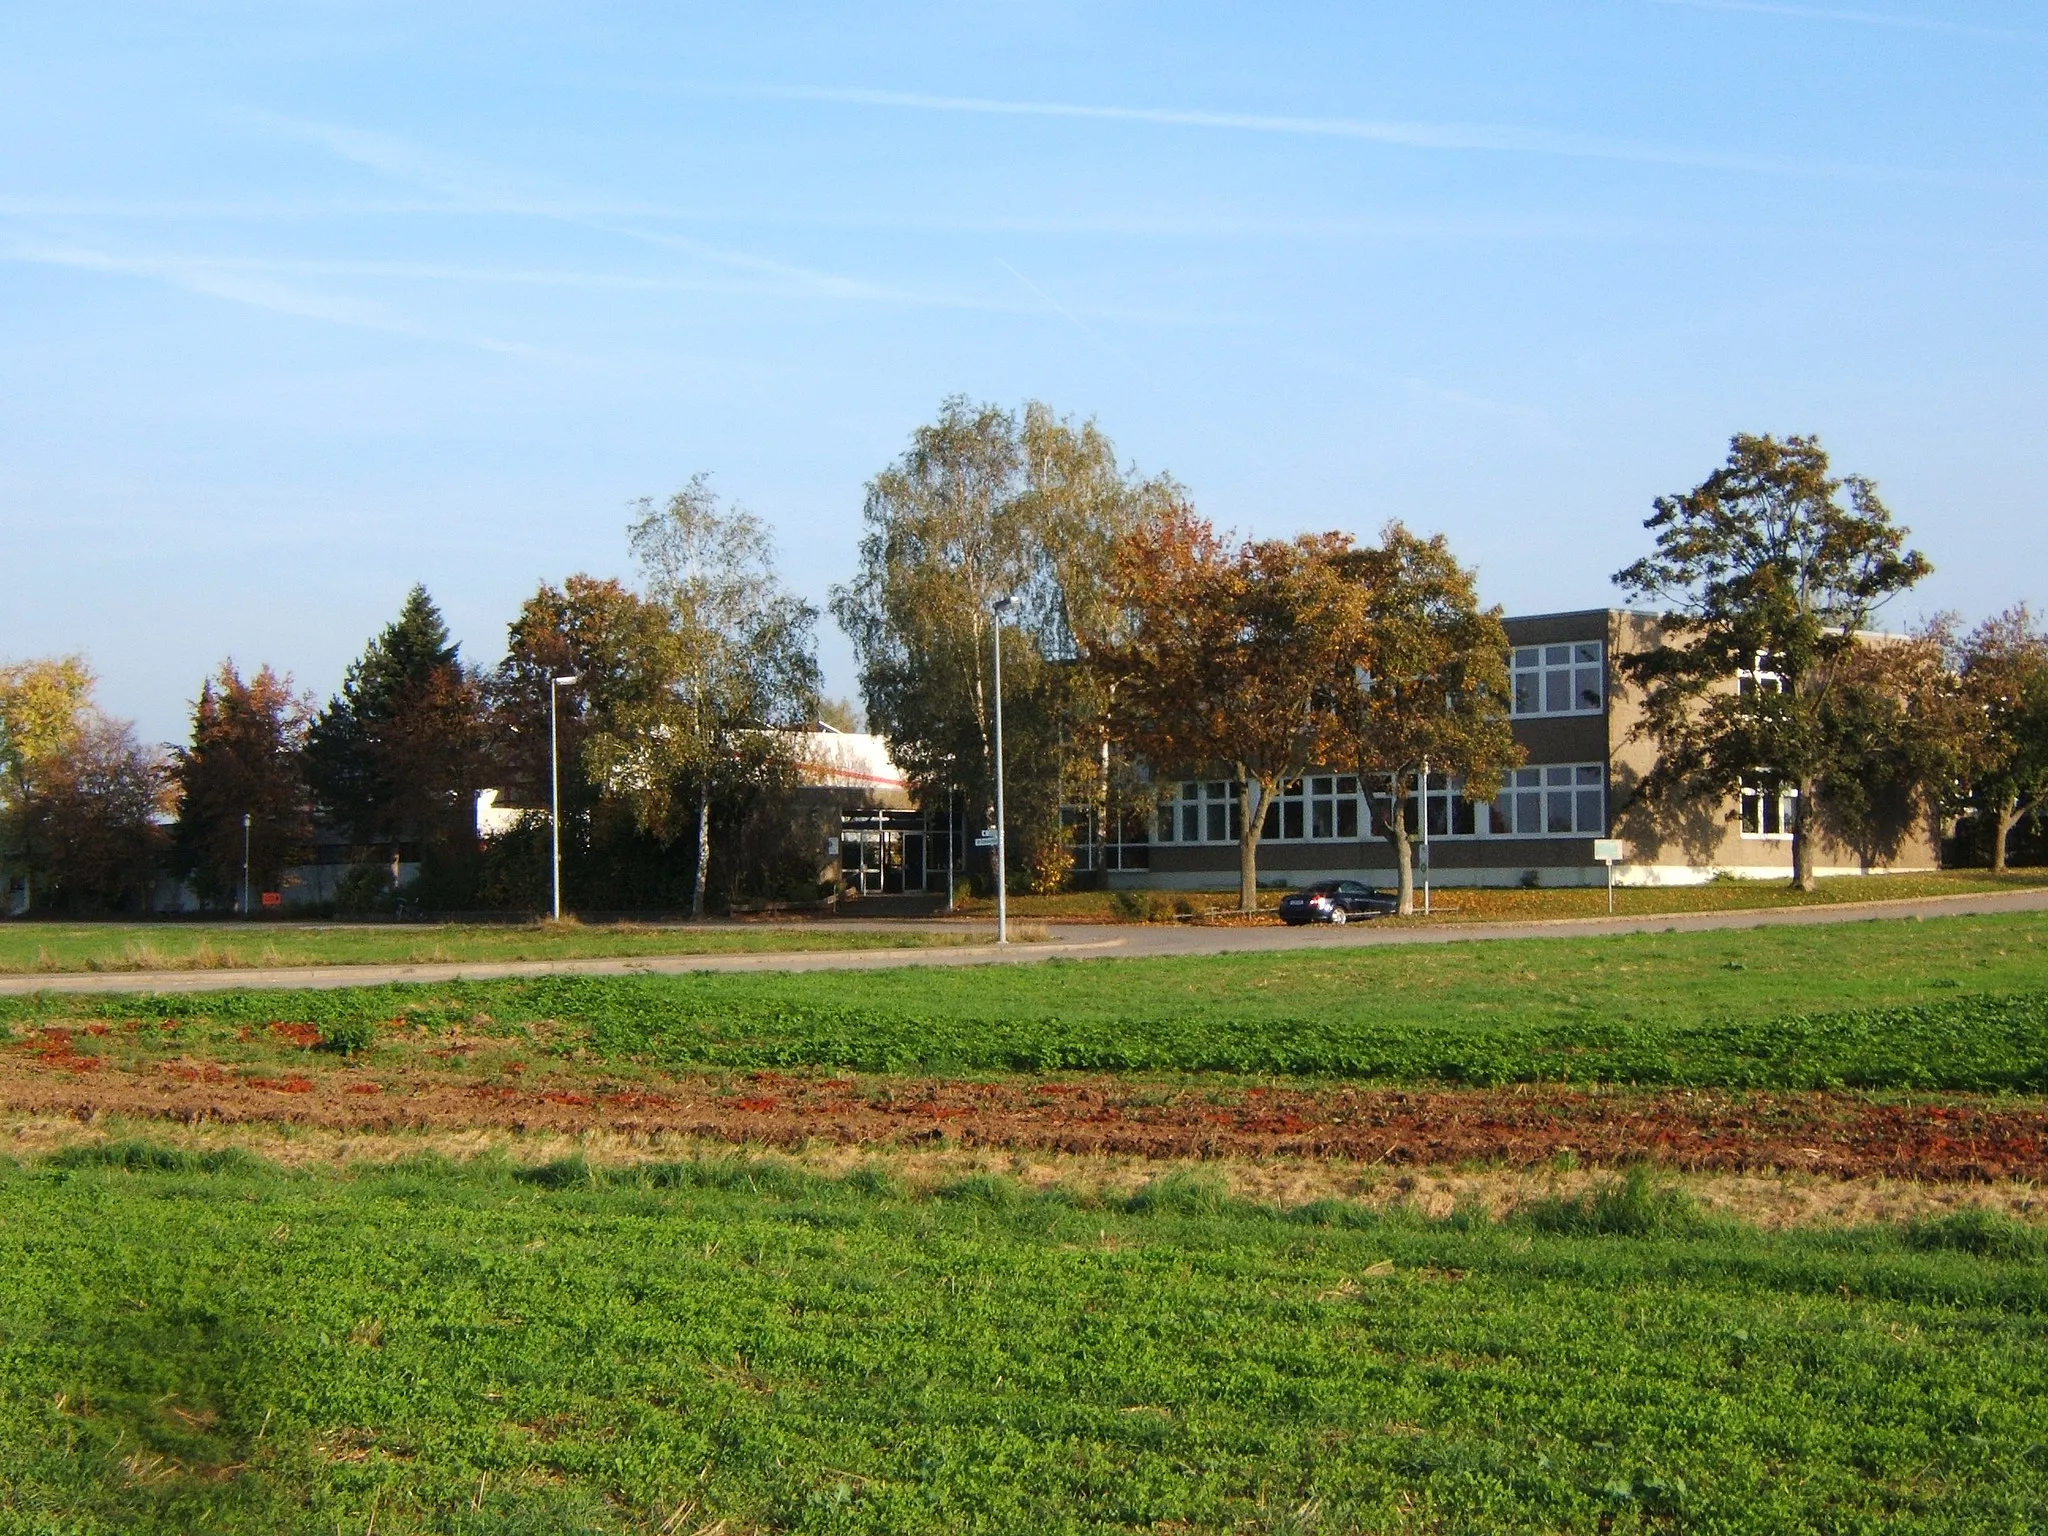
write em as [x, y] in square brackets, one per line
[2008, 818]
[1251, 822]
[703, 851]
[1803, 876]
[1404, 850]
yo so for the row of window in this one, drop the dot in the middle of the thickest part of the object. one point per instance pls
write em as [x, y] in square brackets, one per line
[1556, 800]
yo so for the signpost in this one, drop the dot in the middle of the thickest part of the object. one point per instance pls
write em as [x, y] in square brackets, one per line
[1610, 851]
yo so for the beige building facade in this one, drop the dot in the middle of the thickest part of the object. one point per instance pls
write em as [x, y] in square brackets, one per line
[1579, 784]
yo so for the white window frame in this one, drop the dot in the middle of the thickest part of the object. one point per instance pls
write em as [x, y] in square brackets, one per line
[1571, 671]
[1543, 800]
[1759, 809]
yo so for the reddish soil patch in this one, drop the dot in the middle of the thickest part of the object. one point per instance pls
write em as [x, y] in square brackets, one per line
[1838, 1134]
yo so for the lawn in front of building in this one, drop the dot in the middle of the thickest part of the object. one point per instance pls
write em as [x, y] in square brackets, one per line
[36, 947]
[1527, 904]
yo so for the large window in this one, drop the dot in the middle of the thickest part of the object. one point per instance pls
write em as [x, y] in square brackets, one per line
[1769, 812]
[1554, 800]
[1199, 811]
[1560, 679]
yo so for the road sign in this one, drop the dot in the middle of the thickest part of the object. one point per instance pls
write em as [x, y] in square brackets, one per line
[1610, 851]
[985, 840]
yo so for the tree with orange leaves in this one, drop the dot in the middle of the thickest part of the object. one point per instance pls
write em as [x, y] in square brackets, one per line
[1229, 658]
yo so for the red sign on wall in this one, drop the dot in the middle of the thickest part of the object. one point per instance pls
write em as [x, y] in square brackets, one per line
[273, 898]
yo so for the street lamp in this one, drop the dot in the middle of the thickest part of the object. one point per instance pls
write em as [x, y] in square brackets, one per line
[555, 687]
[245, 863]
[1004, 606]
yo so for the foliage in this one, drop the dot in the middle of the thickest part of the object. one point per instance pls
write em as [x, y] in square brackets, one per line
[1228, 657]
[1763, 568]
[1785, 1008]
[79, 796]
[433, 1347]
[731, 664]
[1632, 1206]
[365, 891]
[986, 505]
[1433, 684]
[2002, 666]
[399, 753]
[244, 760]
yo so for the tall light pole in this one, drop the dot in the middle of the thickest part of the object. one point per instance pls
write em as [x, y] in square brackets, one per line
[245, 863]
[555, 687]
[1004, 606]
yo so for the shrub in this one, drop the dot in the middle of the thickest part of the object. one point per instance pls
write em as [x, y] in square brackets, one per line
[347, 1035]
[1633, 1206]
[1182, 1192]
[1990, 1234]
[365, 891]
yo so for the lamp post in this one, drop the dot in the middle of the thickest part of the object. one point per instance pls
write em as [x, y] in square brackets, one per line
[555, 687]
[245, 863]
[1003, 607]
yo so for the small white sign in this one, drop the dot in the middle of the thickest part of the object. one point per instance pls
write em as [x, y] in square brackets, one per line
[985, 840]
[831, 847]
[1609, 850]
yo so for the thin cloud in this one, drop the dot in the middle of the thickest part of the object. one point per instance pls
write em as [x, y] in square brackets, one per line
[483, 187]
[1479, 137]
[1862, 19]
[252, 289]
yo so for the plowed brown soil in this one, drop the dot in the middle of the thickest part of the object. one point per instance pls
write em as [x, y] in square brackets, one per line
[1842, 1135]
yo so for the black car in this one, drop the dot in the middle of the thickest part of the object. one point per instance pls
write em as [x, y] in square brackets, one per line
[1336, 901]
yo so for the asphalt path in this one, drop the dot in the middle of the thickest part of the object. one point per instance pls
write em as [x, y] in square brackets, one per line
[1065, 941]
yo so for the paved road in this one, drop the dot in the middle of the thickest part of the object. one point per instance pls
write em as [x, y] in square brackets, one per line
[1070, 941]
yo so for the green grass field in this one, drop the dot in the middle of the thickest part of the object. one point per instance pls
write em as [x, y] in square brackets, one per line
[729, 1346]
[1516, 904]
[27, 948]
[1954, 1003]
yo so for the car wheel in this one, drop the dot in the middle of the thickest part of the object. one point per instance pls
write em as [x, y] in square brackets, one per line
[1338, 916]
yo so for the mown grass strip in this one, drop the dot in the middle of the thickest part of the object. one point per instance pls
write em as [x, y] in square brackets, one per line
[220, 1346]
[52, 948]
[1960, 1004]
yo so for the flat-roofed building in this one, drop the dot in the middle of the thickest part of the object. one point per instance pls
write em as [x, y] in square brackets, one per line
[1585, 763]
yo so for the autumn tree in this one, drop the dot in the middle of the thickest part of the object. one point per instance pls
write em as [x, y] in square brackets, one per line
[2002, 670]
[400, 752]
[732, 662]
[1428, 686]
[1769, 572]
[79, 797]
[1228, 658]
[988, 504]
[245, 759]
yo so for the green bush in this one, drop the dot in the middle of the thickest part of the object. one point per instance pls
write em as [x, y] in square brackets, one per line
[348, 1035]
[1989, 1234]
[1633, 1206]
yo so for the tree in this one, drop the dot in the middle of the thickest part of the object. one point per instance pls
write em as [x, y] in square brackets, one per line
[245, 759]
[43, 708]
[399, 753]
[986, 504]
[735, 662]
[1430, 683]
[2002, 668]
[1229, 656]
[79, 796]
[1770, 576]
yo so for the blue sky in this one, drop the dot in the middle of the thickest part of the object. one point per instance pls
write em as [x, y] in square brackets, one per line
[302, 303]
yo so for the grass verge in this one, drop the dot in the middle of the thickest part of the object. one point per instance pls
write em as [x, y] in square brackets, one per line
[210, 1343]
[1519, 904]
[43, 948]
[1953, 1004]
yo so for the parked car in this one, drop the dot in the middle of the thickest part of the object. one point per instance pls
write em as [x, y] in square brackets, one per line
[1335, 901]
